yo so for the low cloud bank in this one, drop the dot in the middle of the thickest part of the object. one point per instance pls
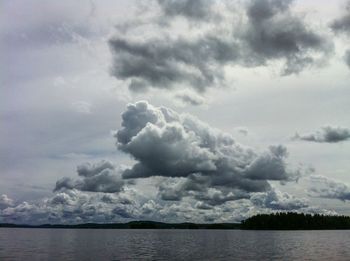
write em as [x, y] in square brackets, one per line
[327, 134]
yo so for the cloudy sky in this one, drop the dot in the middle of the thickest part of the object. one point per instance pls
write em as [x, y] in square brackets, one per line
[202, 111]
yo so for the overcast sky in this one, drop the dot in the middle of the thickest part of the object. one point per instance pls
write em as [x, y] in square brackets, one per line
[203, 111]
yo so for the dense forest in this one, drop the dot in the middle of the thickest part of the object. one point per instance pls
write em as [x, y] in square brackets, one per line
[295, 221]
[276, 221]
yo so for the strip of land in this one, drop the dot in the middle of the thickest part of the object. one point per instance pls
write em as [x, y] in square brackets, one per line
[133, 225]
[276, 221]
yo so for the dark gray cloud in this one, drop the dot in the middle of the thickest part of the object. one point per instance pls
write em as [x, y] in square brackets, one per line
[327, 134]
[198, 157]
[194, 10]
[347, 57]
[198, 187]
[99, 177]
[269, 166]
[164, 63]
[122, 212]
[89, 170]
[215, 197]
[269, 32]
[324, 187]
[172, 191]
[342, 24]
[274, 32]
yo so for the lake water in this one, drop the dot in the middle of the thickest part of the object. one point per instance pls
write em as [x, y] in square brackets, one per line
[107, 244]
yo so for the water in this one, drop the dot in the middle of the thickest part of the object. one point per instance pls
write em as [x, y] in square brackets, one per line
[106, 244]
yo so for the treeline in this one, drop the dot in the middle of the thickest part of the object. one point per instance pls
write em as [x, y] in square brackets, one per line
[295, 221]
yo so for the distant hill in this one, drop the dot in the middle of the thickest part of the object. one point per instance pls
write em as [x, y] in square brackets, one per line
[295, 221]
[276, 221]
[135, 225]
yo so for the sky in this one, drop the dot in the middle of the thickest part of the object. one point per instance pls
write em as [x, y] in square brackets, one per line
[173, 111]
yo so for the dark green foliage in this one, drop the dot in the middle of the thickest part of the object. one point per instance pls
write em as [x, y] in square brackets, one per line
[296, 221]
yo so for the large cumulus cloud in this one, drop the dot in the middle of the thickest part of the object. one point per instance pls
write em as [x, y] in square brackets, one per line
[198, 174]
[197, 156]
[99, 177]
[269, 31]
[327, 134]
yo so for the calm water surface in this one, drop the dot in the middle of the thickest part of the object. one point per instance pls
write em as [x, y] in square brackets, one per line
[93, 244]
